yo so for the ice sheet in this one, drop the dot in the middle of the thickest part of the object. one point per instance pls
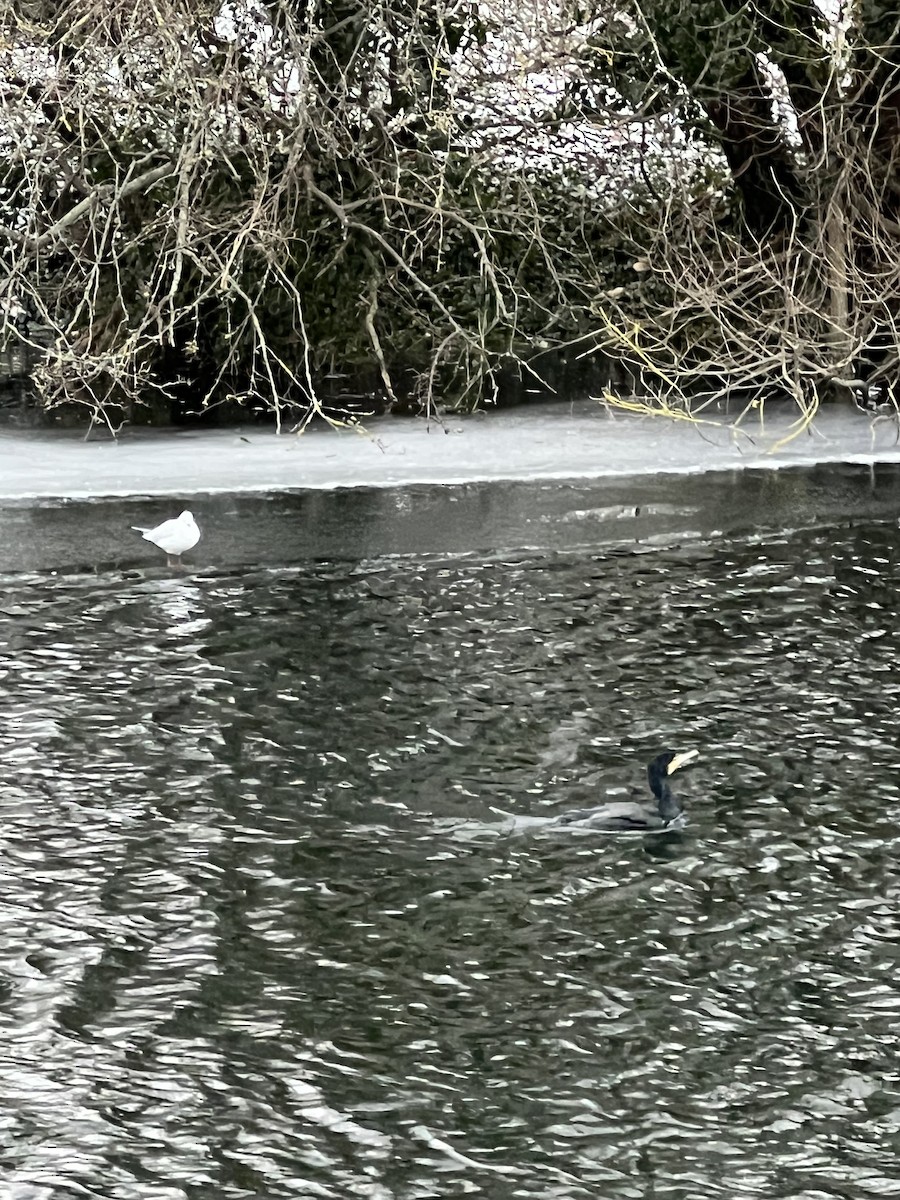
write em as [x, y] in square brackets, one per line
[547, 441]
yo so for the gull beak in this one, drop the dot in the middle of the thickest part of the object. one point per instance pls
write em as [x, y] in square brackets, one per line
[682, 760]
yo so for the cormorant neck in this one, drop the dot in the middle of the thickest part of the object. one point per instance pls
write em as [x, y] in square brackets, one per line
[668, 804]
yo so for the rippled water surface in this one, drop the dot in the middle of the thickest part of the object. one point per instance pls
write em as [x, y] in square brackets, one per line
[281, 914]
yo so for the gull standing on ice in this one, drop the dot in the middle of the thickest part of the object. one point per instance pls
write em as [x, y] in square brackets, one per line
[175, 536]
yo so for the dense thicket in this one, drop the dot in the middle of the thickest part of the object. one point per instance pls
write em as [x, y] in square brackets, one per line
[276, 203]
[787, 276]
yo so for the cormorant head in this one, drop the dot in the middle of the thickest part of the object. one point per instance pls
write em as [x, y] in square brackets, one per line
[663, 766]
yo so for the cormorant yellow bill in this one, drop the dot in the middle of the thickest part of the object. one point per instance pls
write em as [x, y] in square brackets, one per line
[681, 760]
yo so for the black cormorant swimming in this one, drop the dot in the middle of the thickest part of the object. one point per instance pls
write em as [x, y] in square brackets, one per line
[662, 812]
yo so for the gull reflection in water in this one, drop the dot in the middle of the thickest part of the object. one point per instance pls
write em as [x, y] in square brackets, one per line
[180, 604]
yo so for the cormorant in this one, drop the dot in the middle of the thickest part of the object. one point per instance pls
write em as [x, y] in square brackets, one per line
[661, 813]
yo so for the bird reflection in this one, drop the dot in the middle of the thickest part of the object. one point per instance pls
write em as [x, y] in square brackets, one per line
[180, 604]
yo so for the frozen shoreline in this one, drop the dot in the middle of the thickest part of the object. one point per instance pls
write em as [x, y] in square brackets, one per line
[536, 481]
[542, 442]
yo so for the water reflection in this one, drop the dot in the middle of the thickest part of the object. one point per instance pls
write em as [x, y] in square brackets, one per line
[285, 912]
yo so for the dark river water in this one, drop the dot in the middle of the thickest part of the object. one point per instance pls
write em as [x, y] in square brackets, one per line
[282, 914]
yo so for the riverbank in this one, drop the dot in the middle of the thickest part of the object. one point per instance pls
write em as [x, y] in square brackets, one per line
[541, 480]
[541, 442]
